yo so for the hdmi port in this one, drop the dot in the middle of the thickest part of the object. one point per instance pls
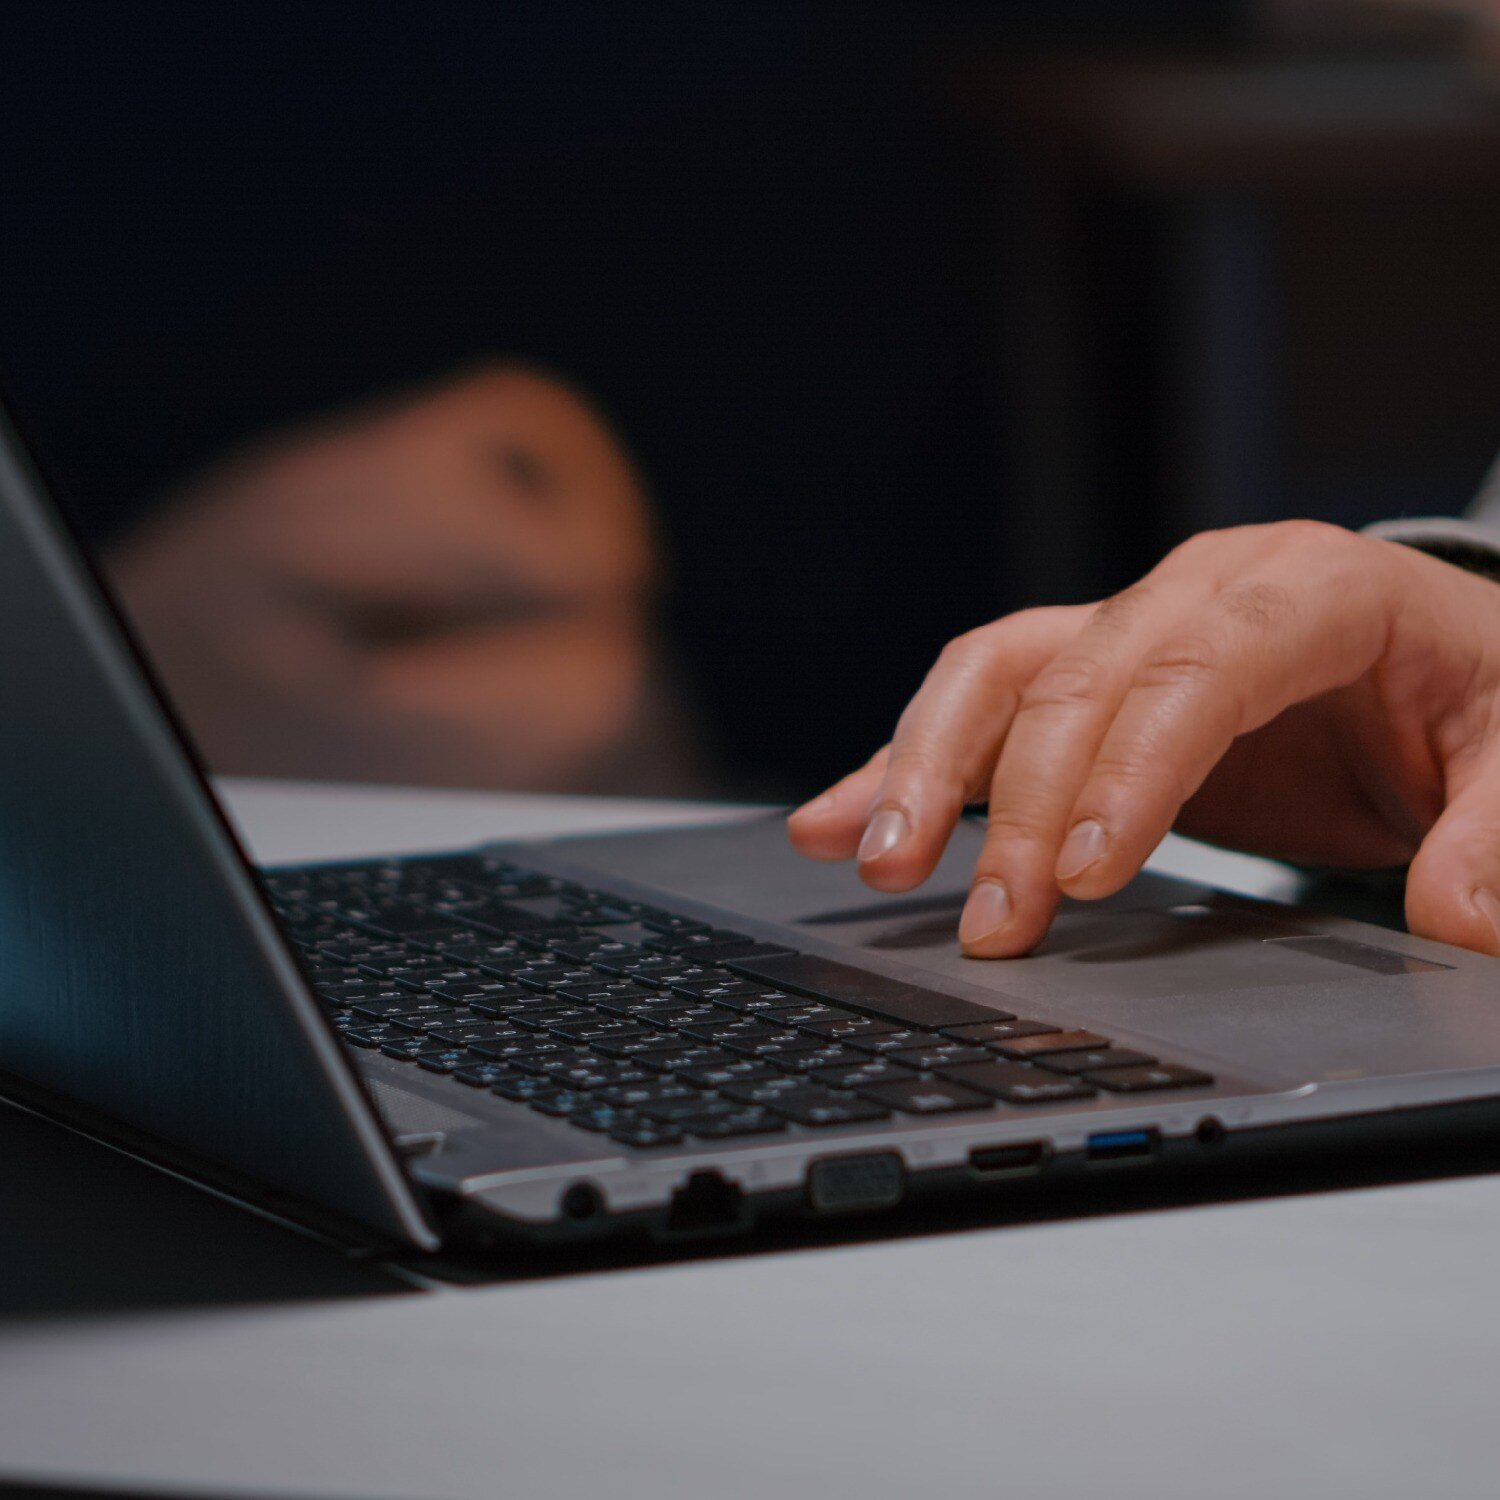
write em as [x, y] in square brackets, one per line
[1009, 1160]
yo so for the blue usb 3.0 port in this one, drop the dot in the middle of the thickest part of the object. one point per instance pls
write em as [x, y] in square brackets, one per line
[1113, 1145]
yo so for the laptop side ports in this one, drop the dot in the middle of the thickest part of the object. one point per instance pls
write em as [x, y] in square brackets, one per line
[857, 1183]
[1013, 1159]
[1121, 1145]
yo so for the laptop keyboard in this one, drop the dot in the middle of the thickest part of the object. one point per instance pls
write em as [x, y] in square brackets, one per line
[651, 1027]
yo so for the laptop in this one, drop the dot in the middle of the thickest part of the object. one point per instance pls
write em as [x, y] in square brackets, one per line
[679, 1033]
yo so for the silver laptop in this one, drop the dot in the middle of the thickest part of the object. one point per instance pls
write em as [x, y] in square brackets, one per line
[680, 1033]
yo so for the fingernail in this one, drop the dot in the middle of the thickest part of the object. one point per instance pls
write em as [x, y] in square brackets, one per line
[1489, 903]
[1084, 844]
[987, 910]
[886, 829]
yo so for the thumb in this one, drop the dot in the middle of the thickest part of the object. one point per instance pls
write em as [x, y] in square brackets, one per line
[1453, 886]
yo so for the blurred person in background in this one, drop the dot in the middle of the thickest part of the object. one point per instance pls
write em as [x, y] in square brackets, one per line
[456, 586]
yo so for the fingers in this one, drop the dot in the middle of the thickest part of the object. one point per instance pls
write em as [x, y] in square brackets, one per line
[1119, 732]
[898, 812]
[1059, 725]
[831, 825]
[1258, 649]
[1453, 886]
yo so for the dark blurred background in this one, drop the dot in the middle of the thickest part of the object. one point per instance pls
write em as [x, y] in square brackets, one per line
[910, 314]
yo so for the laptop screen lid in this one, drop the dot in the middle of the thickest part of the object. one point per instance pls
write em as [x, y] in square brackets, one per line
[142, 978]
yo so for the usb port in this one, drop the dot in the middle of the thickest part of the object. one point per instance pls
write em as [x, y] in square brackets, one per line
[1009, 1160]
[1117, 1145]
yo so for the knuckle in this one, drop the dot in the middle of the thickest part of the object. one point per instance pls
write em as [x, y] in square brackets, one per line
[1258, 605]
[909, 761]
[1195, 549]
[1012, 825]
[980, 648]
[969, 647]
[1115, 613]
[1187, 662]
[1071, 683]
[1317, 537]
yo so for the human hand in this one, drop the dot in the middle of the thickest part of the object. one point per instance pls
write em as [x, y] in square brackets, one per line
[454, 588]
[1294, 690]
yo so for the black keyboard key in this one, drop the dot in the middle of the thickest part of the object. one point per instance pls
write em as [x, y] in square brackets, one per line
[411, 967]
[522, 1088]
[597, 950]
[597, 1073]
[675, 1111]
[804, 1010]
[754, 1000]
[838, 1028]
[710, 1027]
[748, 1121]
[482, 1075]
[640, 969]
[1017, 1083]
[634, 1095]
[763, 1090]
[867, 1072]
[592, 992]
[643, 1006]
[672, 1059]
[688, 942]
[552, 976]
[1051, 1041]
[601, 1117]
[645, 1135]
[526, 1046]
[549, 1062]
[819, 1107]
[737, 948]
[370, 951]
[374, 1036]
[597, 1029]
[805, 1059]
[922, 1096]
[665, 921]
[449, 1060]
[1147, 1080]
[327, 974]
[680, 973]
[1095, 1060]
[411, 1049]
[410, 1005]
[548, 1013]
[716, 987]
[742, 1070]
[348, 991]
[462, 994]
[651, 1051]
[760, 1044]
[465, 1035]
[939, 1054]
[497, 916]
[507, 1004]
[886, 1043]
[683, 1059]
[987, 1033]
[872, 994]
[565, 1102]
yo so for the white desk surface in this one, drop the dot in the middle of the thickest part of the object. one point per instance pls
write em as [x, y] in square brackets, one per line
[1334, 1345]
